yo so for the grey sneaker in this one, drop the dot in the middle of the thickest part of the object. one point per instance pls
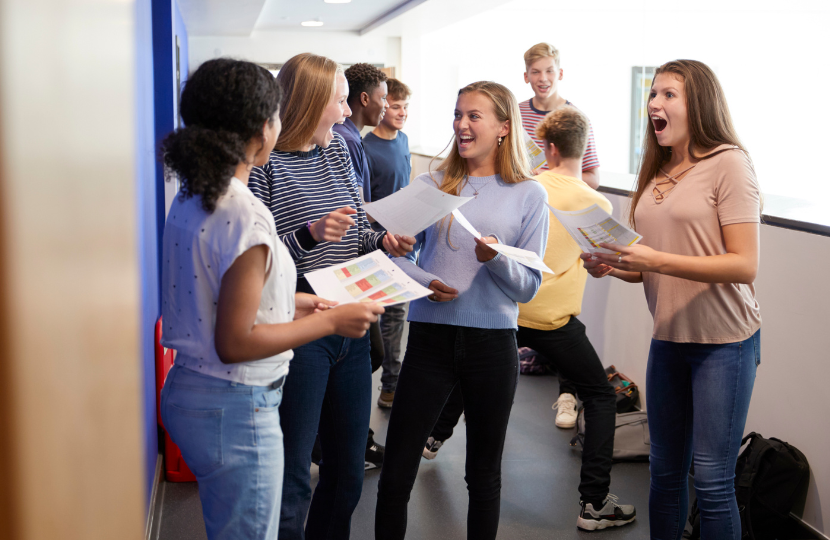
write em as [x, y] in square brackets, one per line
[610, 515]
[431, 448]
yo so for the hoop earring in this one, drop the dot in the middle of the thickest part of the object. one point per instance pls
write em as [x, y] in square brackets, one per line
[500, 139]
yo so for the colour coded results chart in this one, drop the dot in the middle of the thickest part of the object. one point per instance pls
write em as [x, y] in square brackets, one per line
[361, 290]
[371, 278]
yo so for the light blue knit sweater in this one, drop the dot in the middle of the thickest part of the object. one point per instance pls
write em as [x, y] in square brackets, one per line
[488, 292]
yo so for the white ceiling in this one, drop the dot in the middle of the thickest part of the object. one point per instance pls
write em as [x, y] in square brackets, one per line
[220, 17]
[241, 17]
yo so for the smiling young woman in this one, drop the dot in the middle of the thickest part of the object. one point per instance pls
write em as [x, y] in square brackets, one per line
[464, 334]
[697, 205]
[308, 184]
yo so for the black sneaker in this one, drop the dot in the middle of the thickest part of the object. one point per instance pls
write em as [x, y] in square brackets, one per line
[374, 454]
[610, 515]
[431, 448]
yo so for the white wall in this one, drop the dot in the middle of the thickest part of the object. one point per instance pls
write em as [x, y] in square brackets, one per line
[768, 59]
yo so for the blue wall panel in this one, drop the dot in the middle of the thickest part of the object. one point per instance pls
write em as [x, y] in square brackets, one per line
[158, 24]
[145, 174]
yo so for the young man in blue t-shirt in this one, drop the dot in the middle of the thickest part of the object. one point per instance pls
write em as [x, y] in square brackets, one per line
[387, 152]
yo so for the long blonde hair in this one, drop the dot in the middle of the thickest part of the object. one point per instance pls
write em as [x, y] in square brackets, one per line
[511, 157]
[308, 81]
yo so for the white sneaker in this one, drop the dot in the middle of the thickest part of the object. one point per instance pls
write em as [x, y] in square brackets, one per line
[566, 413]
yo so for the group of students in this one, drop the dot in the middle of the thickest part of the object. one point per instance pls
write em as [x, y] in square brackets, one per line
[274, 175]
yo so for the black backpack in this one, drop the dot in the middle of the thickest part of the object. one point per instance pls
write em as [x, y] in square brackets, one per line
[769, 477]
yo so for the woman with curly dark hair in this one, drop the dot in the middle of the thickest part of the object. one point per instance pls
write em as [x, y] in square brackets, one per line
[228, 302]
[308, 183]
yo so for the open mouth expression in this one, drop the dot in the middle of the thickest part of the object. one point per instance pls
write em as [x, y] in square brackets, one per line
[667, 110]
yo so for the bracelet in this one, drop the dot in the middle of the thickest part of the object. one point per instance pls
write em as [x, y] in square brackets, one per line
[308, 225]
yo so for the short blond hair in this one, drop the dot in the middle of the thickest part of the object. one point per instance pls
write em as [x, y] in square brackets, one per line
[567, 129]
[308, 81]
[541, 50]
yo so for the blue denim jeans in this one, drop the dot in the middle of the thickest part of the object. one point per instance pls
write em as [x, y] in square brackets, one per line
[229, 435]
[697, 397]
[329, 390]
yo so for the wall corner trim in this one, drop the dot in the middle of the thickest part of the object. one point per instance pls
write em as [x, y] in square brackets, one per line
[152, 528]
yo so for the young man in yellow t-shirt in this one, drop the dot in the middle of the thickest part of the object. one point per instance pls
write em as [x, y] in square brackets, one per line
[548, 324]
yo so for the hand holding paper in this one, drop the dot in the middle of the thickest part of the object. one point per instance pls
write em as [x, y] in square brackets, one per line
[592, 227]
[636, 258]
[354, 320]
[442, 292]
[521, 256]
[485, 248]
[397, 245]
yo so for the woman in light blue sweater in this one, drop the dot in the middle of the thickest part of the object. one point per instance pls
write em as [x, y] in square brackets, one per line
[464, 333]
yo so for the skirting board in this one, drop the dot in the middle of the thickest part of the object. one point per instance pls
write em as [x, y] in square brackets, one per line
[152, 528]
[817, 534]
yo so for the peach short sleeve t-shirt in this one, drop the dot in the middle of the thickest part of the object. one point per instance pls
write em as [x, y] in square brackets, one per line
[718, 191]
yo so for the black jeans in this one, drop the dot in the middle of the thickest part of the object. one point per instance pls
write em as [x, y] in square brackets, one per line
[483, 365]
[575, 358]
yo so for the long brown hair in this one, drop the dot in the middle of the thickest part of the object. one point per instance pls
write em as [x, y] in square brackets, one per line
[710, 124]
[308, 81]
[511, 157]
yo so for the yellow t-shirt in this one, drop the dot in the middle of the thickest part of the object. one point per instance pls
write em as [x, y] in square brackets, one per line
[560, 296]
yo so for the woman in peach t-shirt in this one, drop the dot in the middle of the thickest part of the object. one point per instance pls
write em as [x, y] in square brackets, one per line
[697, 206]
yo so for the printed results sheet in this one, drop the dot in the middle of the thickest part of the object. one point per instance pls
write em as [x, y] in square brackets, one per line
[413, 209]
[370, 278]
[535, 155]
[593, 226]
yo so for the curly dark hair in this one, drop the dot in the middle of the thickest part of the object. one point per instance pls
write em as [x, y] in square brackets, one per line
[363, 78]
[224, 105]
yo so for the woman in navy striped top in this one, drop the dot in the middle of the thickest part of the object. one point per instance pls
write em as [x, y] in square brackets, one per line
[309, 185]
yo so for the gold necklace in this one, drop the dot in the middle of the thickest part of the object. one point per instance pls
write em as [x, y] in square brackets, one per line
[475, 189]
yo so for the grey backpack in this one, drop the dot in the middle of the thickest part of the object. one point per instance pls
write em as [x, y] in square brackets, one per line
[631, 439]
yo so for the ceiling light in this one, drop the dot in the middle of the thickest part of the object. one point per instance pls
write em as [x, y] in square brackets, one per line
[312, 23]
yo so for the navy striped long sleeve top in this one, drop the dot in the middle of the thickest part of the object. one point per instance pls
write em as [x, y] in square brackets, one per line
[298, 187]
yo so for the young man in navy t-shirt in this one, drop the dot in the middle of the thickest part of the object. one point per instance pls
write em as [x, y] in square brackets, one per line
[367, 100]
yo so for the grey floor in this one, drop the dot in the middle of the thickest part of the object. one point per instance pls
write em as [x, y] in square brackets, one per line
[540, 474]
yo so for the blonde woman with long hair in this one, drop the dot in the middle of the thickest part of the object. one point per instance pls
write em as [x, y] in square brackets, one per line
[308, 184]
[464, 333]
